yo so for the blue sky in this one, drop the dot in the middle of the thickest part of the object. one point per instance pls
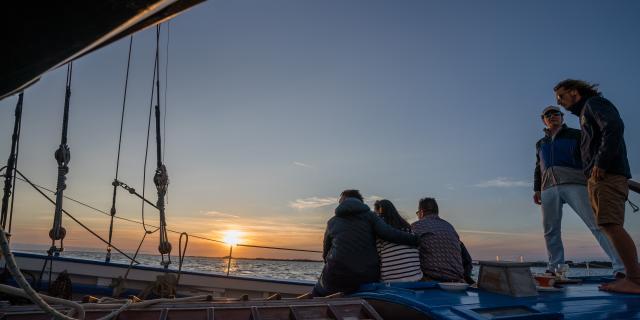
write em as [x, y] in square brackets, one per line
[274, 107]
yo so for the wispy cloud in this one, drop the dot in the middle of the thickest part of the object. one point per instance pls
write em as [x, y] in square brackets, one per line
[503, 182]
[312, 202]
[304, 165]
[372, 198]
[220, 214]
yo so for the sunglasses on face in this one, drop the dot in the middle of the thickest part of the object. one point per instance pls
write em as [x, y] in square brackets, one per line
[551, 114]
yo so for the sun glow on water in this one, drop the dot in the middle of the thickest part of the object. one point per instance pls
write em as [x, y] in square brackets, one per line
[232, 237]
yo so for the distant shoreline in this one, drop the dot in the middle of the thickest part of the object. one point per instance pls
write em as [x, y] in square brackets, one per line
[593, 264]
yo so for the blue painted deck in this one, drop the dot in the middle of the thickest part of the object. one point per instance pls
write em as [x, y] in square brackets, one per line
[581, 301]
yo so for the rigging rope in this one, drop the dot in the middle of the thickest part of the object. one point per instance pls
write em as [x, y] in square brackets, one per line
[63, 156]
[9, 179]
[161, 178]
[25, 179]
[38, 187]
[181, 253]
[13, 190]
[115, 186]
[146, 149]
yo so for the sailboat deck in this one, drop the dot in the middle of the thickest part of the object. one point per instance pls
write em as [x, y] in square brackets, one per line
[575, 301]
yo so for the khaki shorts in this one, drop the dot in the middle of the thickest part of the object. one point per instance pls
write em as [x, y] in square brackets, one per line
[608, 197]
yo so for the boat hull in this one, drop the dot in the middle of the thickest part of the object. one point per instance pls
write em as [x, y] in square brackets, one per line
[98, 278]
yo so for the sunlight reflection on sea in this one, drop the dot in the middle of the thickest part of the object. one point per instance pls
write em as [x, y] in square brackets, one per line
[294, 270]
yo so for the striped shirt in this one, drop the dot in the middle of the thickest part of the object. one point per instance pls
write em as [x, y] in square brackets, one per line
[398, 262]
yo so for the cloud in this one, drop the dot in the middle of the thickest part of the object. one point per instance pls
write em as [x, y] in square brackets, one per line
[301, 164]
[502, 182]
[220, 214]
[312, 202]
[372, 198]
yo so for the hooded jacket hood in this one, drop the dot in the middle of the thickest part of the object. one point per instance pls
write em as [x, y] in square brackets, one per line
[351, 206]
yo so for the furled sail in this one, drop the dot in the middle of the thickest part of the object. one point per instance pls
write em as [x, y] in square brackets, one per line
[40, 36]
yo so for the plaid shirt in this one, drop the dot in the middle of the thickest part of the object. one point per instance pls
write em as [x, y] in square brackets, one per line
[440, 253]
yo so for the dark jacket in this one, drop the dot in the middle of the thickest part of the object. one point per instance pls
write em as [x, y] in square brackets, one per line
[350, 254]
[558, 159]
[602, 136]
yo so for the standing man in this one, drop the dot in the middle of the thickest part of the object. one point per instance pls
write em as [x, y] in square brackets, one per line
[605, 163]
[558, 179]
[440, 247]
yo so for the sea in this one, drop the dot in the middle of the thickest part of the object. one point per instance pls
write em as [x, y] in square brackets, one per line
[276, 269]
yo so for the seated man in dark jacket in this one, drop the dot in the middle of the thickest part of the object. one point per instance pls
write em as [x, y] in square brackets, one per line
[349, 253]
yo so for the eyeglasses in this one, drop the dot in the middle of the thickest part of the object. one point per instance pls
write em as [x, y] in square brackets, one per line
[551, 114]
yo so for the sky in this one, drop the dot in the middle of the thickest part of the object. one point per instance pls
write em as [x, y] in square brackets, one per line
[274, 107]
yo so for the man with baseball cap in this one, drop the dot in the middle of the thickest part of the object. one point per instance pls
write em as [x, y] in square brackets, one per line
[559, 179]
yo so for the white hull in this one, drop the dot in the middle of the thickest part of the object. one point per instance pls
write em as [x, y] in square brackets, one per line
[88, 274]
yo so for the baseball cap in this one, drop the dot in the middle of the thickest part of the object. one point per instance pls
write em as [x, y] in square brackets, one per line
[550, 108]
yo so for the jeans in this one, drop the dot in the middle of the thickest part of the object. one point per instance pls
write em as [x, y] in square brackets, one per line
[576, 196]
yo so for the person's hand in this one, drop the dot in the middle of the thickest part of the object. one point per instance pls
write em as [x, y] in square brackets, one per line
[597, 173]
[536, 198]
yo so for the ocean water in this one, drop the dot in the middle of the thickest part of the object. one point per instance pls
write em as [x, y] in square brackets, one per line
[276, 269]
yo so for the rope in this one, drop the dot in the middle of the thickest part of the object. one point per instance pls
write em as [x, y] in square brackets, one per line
[69, 215]
[115, 187]
[181, 253]
[27, 291]
[161, 178]
[63, 156]
[166, 89]
[146, 149]
[118, 284]
[277, 248]
[13, 191]
[37, 187]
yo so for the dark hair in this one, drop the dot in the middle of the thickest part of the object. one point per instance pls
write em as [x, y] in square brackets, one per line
[390, 215]
[585, 89]
[428, 205]
[352, 193]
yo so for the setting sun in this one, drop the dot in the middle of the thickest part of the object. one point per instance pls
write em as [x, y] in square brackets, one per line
[231, 237]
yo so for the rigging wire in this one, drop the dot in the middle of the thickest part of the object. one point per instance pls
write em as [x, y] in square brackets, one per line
[160, 178]
[146, 150]
[115, 186]
[63, 156]
[170, 230]
[13, 191]
[9, 176]
[166, 89]
[25, 179]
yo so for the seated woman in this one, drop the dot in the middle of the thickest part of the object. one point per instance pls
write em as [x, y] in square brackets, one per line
[398, 262]
[349, 249]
